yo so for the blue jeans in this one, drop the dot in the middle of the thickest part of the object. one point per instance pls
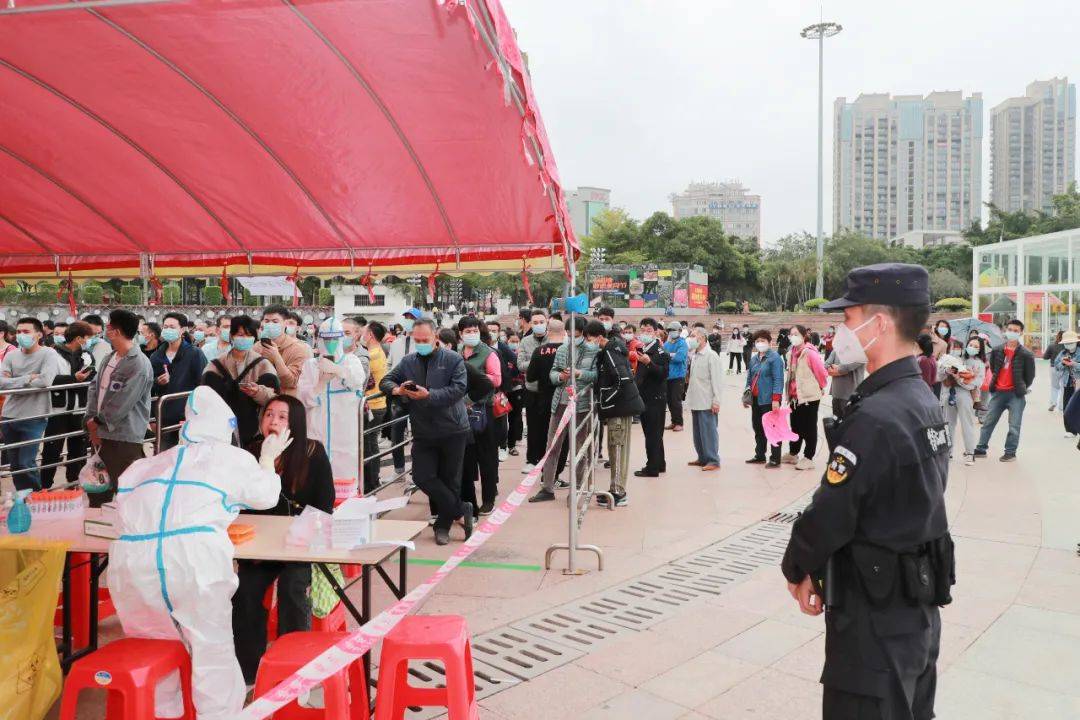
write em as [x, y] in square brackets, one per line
[706, 439]
[999, 403]
[26, 456]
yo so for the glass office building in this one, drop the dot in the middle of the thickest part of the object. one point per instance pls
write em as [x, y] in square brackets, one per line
[1036, 279]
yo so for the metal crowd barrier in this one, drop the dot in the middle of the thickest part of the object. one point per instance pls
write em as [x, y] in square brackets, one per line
[160, 431]
[76, 411]
[580, 498]
[364, 431]
[159, 419]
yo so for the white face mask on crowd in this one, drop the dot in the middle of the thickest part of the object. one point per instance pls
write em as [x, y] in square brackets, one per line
[761, 346]
[796, 339]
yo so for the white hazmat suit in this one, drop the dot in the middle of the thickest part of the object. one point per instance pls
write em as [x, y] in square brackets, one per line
[332, 388]
[171, 570]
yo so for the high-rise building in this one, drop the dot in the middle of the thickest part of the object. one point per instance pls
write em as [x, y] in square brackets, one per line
[584, 205]
[907, 162]
[729, 202]
[1033, 146]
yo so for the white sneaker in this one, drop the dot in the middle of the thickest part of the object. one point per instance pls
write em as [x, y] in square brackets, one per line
[527, 468]
[790, 459]
[969, 459]
[804, 464]
[1070, 436]
[503, 454]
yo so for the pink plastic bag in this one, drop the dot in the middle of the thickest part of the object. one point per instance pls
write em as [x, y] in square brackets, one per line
[777, 424]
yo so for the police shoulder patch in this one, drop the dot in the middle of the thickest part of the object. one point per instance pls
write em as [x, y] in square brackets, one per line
[937, 438]
[841, 465]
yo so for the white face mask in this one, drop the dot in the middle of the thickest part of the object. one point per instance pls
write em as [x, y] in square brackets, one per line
[848, 347]
[761, 346]
[692, 343]
[796, 340]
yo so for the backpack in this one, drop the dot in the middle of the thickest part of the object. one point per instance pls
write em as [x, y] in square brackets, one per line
[229, 388]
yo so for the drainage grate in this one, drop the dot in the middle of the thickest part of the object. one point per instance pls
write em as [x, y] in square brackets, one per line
[431, 674]
[786, 518]
[659, 592]
[622, 609]
[521, 654]
[571, 629]
[690, 578]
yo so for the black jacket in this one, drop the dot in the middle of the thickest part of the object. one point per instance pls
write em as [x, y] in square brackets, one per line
[185, 374]
[443, 373]
[1023, 369]
[70, 399]
[652, 377]
[617, 391]
[543, 359]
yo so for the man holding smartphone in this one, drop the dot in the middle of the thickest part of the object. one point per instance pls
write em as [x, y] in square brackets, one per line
[285, 352]
[431, 382]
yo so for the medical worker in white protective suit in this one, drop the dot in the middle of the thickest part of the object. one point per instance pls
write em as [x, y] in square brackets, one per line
[171, 570]
[331, 386]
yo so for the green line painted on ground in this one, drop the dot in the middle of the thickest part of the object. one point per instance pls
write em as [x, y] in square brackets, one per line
[481, 565]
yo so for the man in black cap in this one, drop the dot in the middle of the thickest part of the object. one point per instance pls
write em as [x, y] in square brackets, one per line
[872, 550]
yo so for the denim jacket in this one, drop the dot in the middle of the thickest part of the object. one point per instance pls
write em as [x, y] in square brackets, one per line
[125, 408]
[770, 373]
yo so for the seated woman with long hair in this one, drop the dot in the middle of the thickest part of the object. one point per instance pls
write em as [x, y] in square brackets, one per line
[306, 479]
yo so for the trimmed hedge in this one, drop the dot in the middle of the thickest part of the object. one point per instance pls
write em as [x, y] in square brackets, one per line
[170, 294]
[727, 306]
[953, 303]
[325, 296]
[91, 293]
[814, 303]
[211, 295]
[131, 295]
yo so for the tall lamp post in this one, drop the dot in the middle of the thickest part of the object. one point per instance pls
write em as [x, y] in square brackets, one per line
[819, 32]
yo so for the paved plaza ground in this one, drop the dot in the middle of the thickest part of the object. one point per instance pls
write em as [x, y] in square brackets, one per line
[706, 628]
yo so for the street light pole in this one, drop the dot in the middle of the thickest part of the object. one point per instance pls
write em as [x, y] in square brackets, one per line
[819, 32]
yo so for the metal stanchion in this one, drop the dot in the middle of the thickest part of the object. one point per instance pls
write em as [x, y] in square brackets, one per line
[378, 456]
[158, 429]
[575, 508]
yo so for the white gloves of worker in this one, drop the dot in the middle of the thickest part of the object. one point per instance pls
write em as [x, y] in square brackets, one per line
[272, 446]
[329, 367]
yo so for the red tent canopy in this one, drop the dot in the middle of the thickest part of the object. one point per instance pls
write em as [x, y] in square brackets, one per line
[262, 137]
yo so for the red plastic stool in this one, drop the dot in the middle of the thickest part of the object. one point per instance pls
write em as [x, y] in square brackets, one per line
[334, 622]
[345, 693]
[427, 637]
[129, 669]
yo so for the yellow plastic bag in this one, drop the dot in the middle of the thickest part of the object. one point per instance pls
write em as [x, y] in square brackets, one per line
[30, 678]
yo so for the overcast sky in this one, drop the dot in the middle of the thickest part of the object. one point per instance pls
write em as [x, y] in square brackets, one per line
[643, 96]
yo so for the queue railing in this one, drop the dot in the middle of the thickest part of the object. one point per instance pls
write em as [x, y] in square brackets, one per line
[391, 423]
[76, 411]
[580, 498]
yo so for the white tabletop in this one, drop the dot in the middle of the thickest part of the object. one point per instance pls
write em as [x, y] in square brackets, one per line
[268, 543]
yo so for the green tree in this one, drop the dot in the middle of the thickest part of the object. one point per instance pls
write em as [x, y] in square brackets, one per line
[789, 271]
[1025, 223]
[847, 250]
[945, 283]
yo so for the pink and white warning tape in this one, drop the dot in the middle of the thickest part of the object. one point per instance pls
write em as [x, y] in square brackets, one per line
[353, 647]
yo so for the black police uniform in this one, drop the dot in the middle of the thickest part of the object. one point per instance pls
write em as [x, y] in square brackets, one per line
[875, 537]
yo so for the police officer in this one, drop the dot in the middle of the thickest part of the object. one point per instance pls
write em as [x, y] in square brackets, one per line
[872, 550]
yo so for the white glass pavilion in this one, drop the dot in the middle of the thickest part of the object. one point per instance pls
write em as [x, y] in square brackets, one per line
[1036, 279]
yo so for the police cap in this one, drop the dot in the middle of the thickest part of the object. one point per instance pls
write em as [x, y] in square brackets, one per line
[895, 284]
